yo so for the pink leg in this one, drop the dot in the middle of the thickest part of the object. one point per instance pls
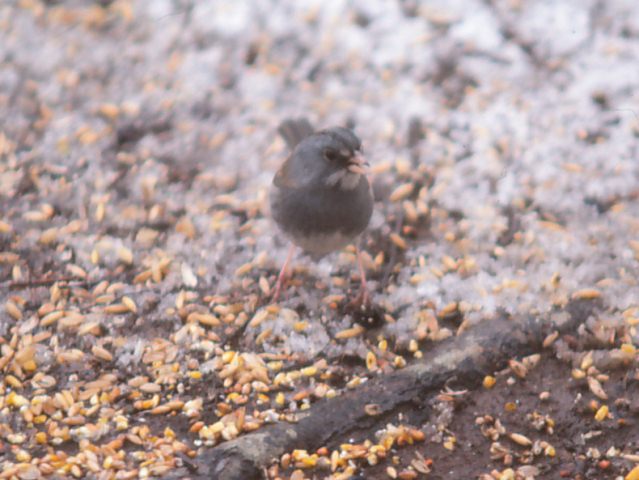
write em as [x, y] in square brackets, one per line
[281, 278]
[363, 294]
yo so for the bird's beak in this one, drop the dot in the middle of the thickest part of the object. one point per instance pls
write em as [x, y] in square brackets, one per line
[357, 164]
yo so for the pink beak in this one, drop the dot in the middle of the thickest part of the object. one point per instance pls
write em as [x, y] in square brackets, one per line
[357, 164]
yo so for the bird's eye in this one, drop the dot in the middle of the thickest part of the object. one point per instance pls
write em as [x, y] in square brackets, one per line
[331, 155]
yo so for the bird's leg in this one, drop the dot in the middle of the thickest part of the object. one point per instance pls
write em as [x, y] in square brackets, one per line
[363, 296]
[281, 278]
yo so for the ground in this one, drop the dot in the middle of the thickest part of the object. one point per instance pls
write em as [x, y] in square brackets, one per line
[137, 258]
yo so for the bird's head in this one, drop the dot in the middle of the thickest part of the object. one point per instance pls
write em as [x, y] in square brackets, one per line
[332, 157]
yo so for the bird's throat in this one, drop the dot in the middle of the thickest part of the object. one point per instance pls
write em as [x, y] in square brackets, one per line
[343, 179]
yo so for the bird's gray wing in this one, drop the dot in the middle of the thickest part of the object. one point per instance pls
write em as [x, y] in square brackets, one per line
[284, 179]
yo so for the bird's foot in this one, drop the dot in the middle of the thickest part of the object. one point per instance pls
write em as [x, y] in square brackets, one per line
[278, 289]
[283, 276]
[362, 301]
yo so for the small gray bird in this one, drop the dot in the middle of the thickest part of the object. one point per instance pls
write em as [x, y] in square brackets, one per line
[321, 198]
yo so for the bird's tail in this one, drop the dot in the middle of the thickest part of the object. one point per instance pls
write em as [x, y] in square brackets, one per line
[294, 130]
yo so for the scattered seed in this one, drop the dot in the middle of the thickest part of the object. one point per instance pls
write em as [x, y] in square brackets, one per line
[521, 439]
[401, 192]
[489, 381]
[518, 368]
[350, 332]
[602, 413]
[13, 310]
[586, 294]
[633, 474]
[550, 339]
[125, 255]
[371, 361]
[130, 304]
[372, 409]
[398, 241]
[596, 388]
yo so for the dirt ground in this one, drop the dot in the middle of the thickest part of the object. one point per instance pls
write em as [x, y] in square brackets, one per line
[137, 258]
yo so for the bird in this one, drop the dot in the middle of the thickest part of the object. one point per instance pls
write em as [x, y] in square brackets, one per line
[321, 198]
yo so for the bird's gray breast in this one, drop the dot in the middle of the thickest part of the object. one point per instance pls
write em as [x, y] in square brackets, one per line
[321, 220]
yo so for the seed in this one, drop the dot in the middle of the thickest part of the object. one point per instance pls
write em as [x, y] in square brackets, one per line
[550, 339]
[398, 241]
[508, 474]
[602, 413]
[13, 382]
[407, 475]
[332, 299]
[264, 286]
[297, 475]
[107, 298]
[203, 318]
[76, 271]
[354, 382]
[531, 361]
[401, 192]
[586, 294]
[633, 474]
[586, 362]
[371, 361]
[101, 353]
[185, 227]
[521, 439]
[49, 236]
[448, 309]
[70, 356]
[130, 304]
[372, 409]
[596, 388]
[244, 269]
[350, 332]
[75, 420]
[578, 374]
[5, 227]
[449, 442]
[412, 216]
[109, 110]
[300, 326]
[116, 308]
[518, 368]
[125, 255]
[90, 327]
[261, 338]
[258, 318]
[309, 371]
[399, 361]
[143, 276]
[13, 310]
[489, 381]
[449, 263]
